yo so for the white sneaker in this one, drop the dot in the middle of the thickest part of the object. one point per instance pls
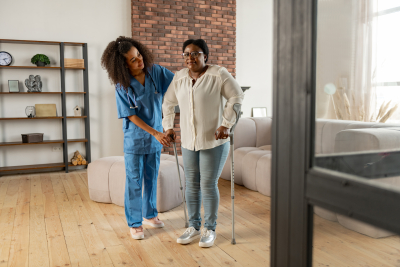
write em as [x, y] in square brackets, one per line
[188, 236]
[207, 238]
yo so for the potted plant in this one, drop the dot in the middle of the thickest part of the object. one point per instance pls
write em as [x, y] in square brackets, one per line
[40, 60]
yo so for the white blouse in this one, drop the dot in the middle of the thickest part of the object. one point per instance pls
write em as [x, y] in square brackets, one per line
[201, 106]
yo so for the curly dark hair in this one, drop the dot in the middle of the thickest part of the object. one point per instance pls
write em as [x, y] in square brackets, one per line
[113, 59]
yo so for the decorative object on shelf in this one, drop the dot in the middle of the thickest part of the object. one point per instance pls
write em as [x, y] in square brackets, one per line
[77, 159]
[30, 111]
[40, 60]
[46, 110]
[244, 88]
[77, 111]
[74, 63]
[13, 86]
[5, 58]
[34, 83]
[32, 138]
[259, 112]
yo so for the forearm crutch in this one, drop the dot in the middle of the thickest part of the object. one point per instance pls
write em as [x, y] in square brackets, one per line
[236, 108]
[180, 181]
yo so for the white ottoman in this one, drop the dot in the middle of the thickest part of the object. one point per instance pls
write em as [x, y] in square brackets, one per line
[106, 180]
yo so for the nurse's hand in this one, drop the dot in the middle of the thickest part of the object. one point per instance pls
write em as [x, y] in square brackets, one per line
[171, 135]
[162, 138]
[221, 133]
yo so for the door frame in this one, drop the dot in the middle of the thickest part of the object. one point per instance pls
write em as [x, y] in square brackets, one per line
[296, 185]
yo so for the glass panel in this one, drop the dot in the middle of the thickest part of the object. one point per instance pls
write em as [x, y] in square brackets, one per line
[358, 89]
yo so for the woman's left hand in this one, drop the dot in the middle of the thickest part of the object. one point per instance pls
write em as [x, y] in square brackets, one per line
[221, 133]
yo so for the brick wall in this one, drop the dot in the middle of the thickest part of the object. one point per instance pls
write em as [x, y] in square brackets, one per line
[163, 26]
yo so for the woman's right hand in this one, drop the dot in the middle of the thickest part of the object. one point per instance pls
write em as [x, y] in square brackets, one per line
[162, 138]
[171, 135]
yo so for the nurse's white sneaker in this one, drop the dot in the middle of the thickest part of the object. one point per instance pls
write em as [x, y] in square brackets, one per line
[154, 222]
[137, 232]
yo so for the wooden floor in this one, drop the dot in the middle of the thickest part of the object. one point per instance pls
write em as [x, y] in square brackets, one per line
[49, 220]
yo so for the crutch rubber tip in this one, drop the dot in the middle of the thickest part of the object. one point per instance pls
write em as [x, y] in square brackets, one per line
[186, 225]
[233, 242]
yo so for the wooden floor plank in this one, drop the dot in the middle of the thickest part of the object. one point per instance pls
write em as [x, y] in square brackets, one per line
[58, 253]
[7, 218]
[97, 251]
[38, 247]
[76, 247]
[120, 256]
[175, 224]
[19, 249]
[135, 248]
[105, 231]
[3, 190]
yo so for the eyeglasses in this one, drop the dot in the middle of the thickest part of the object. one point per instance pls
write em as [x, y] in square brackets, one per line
[192, 54]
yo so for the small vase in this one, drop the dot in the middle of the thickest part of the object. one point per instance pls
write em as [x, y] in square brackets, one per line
[40, 64]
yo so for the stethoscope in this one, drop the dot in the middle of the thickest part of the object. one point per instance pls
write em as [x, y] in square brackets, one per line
[134, 98]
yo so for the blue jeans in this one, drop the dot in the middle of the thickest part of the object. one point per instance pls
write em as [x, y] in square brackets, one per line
[141, 168]
[202, 170]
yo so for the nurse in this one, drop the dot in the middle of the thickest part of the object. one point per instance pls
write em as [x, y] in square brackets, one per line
[140, 87]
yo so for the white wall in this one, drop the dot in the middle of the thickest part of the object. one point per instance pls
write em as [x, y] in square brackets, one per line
[254, 45]
[96, 22]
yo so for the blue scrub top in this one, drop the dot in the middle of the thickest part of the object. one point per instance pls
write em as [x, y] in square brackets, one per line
[136, 140]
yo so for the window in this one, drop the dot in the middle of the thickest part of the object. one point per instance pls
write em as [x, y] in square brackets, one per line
[386, 54]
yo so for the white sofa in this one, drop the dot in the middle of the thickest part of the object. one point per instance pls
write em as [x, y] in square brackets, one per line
[253, 155]
[106, 181]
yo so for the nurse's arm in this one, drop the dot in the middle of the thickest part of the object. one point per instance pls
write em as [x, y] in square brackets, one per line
[161, 137]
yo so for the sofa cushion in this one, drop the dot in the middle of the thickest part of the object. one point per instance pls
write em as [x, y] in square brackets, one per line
[263, 131]
[266, 147]
[263, 174]
[370, 139]
[239, 155]
[249, 168]
[362, 227]
[326, 214]
[106, 180]
[245, 133]
[98, 183]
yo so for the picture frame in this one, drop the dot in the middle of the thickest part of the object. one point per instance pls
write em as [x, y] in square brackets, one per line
[13, 86]
[259, 112]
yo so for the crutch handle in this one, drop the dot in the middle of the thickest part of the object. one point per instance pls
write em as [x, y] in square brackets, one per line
[236, 107]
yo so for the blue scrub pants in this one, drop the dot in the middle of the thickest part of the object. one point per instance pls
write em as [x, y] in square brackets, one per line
[139, 168]
[202, 170]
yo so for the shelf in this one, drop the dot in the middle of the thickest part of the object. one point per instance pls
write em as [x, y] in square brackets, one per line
[33, 67]
[40, 93]
[72, 165]
[29, 67]
[10, 41]
[61, 117]
[30, 93]
[45, 142]
[26, 118]
[32, 167]
[42, 118]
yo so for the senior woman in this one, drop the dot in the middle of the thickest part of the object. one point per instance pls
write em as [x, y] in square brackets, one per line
[199, 90]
